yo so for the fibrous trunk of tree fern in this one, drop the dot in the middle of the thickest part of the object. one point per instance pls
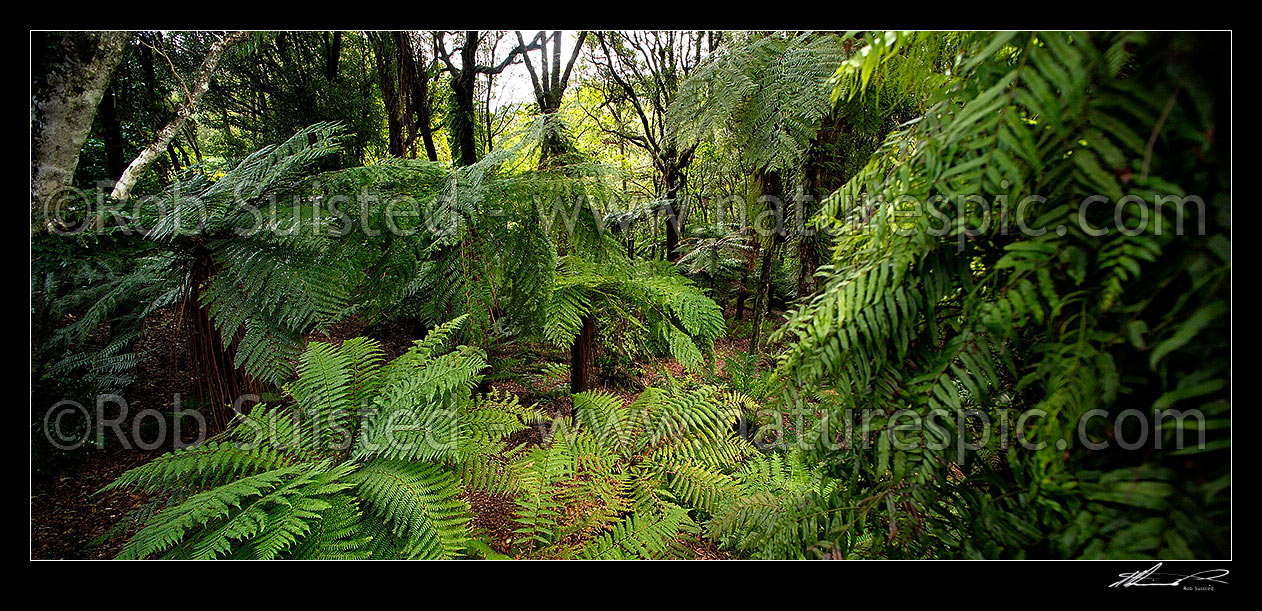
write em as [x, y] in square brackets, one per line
[224, 388]
[582, 355]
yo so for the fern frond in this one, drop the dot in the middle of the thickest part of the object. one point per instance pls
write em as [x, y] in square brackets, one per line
[420, 502]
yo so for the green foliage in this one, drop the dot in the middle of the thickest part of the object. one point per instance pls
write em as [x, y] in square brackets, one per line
[212, 240]
[630, 480]
[308, 77]
[781, 510]
[649, 294]
[935, 304]
[949, 308]
[619, 342]
[319, 479]
[104, 294]
[769, 91]
[717, 257]
[638, 537]
[481, 240]
[420, 504]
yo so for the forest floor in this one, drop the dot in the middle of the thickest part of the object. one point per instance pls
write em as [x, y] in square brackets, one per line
[71, 519]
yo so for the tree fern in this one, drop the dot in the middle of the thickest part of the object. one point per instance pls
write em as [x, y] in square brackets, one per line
[419, 501]
[282, 484]
[672, 307]
[952, 308]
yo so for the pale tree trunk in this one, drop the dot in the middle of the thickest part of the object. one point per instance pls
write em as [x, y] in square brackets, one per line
[122, 189]
[78, 70]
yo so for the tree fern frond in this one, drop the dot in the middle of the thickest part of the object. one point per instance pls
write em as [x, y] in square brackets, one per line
[421, 502]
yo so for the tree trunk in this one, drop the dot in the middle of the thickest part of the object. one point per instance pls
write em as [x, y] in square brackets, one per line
[175, 161]
[414, 80]
[462, 119]
[333, 55]
[122, 190]
[582, 355]
[464, 115]
[113, 132]
[554, 146]
[674, 179]
[223, 386]
[71, 72]
[761, 297]
[390, 95]
[808, 262]
[824, 175]
[771, 188]
[425, 123]
[549, 90]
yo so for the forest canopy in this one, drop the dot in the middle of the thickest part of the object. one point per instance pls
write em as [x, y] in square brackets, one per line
[630, 295]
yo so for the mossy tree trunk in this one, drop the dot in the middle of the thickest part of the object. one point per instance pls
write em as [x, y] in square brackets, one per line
[770, 188]
[673, 176]
[73, 71]
[762, 296]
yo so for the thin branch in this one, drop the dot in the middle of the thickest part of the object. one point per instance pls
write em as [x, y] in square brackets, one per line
[122, 189]
[578, 46]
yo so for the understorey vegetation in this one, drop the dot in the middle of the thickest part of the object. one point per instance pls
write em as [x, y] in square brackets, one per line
[749, 295]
